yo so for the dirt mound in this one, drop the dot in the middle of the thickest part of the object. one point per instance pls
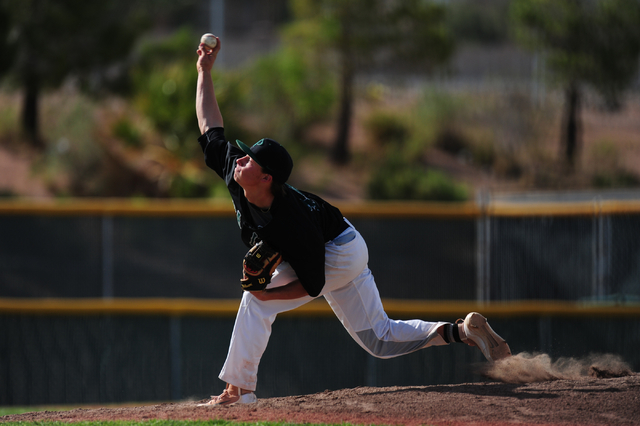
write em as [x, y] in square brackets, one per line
[585, 401]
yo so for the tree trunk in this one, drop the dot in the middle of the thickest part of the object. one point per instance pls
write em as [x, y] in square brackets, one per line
[30, 111]
[571, 124]
[340, 154]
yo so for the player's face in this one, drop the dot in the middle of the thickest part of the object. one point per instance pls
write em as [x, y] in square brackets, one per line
[247, 172]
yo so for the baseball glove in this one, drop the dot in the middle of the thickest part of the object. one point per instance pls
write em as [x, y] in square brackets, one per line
[258, 266]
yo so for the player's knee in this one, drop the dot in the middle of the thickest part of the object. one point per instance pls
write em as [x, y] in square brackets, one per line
[387, 347]
[372, 343]
[378, 348]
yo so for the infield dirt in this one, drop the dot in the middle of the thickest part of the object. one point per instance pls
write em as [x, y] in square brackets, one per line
[591, 400]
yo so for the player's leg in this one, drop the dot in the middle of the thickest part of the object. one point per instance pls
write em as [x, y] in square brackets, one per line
[351, 292]
[358, 306]
[252, 330]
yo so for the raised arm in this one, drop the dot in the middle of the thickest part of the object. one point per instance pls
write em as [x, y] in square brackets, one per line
[207, 109]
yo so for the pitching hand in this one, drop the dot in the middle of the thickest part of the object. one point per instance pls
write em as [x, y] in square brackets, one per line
[206, 56]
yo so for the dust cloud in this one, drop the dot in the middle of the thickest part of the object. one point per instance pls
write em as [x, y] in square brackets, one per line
[531, 367]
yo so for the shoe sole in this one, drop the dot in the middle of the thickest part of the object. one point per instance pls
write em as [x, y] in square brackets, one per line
[493, 347]
[248, 398]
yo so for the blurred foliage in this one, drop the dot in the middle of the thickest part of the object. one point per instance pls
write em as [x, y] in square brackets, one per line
[615, 179]
[164, 86]
[397, 179]
[593, 42]
[280, 95]
[9, 116]
[386, 127]
[585, 43]
[163, 83]
[8, 45]
[73, 161]
[52, 39]
[125, 130]
[479, 21]
[283, 92]
[608, 169]
[414, 128]
[290, 89]
[403, 137]
[307, 80]
[354, 35]
[45, 42]
[495, 134]
[434, 114]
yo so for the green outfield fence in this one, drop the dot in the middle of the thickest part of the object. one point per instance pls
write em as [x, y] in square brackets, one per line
[134, 300]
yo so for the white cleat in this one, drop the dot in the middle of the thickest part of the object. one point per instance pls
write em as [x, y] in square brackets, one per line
[478, 330]
[227, 399]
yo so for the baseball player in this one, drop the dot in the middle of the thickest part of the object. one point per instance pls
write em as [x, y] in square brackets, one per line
[302, 248]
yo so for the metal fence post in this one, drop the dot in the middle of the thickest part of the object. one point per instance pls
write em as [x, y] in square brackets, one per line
[175, 339]
[483, 246]
[601, 251]
[107, 257]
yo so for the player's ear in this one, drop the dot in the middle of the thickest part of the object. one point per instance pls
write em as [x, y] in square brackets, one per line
[267, 178]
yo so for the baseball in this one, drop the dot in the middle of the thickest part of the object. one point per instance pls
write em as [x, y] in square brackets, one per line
[209, 40]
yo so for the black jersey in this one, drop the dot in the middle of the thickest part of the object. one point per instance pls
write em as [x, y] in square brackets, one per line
[297, 224]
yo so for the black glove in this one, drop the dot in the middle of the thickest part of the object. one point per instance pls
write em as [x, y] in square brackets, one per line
[258, 266]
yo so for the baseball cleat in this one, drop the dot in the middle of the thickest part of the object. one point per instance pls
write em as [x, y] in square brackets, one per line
[479, 331]
[227, 399]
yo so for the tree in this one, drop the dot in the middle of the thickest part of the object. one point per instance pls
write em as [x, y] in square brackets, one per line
[479, 21]
[290, 89]
[357, 33]
[592, 43]
[48, 41]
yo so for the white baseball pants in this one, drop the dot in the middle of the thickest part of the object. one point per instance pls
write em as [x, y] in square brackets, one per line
[351, 292]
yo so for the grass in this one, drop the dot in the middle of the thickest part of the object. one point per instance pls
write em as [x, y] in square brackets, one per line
[6, 411]
[154, 423]
[157, 423]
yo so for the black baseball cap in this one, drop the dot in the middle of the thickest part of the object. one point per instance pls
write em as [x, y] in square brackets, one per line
[271, 156]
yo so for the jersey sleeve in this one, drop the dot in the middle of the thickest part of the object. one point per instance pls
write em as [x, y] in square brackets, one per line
[219, 155]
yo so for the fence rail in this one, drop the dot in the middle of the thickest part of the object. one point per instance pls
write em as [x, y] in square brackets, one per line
[398, 209]
[318, 308]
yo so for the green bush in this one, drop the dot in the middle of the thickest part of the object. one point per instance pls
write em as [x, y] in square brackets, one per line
[615, 179]
[399, 180]
[166, 95]
[387, 128]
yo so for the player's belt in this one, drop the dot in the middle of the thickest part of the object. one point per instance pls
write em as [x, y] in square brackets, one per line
[345, 237]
